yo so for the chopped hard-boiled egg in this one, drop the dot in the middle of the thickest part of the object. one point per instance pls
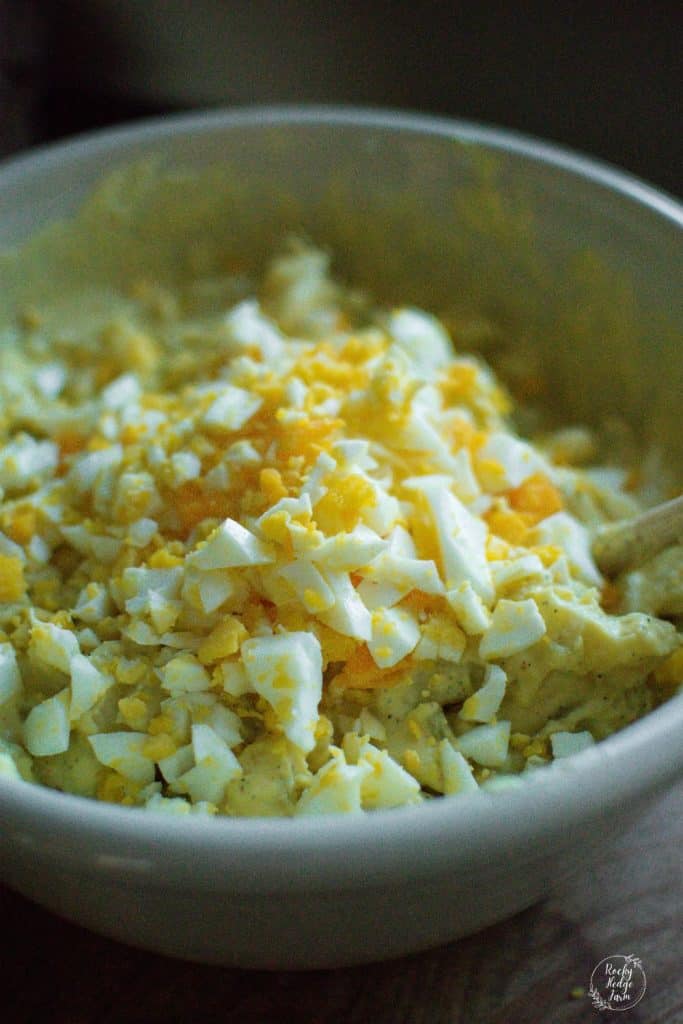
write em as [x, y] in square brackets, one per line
[10, 676]
[24, 460]
[457, 771]
[395, 633]
[88, 685]
[486, 744]
[286, 670]
[215, 766]
[461, 535]
[515, 626]
[230, 546]
[184, 674]
[564, 744]
[46, 729]
[53, 645]
[336, 788]
[483, 705]
[124, 752]
[422, 338]
[288, 557]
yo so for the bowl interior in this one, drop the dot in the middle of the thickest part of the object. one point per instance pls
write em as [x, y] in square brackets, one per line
[574, 268]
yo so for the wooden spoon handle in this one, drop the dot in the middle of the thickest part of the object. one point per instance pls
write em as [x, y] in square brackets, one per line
[628, 543]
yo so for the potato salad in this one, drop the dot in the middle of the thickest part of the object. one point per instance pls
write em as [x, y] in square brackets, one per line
[266, 549]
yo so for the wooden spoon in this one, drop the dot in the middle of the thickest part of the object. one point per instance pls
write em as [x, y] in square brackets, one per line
[630, 542]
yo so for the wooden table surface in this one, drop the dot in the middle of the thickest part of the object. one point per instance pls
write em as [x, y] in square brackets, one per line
[522, 971]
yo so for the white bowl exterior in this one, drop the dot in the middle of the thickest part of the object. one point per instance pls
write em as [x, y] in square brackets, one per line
[326, 893]
[306, 893]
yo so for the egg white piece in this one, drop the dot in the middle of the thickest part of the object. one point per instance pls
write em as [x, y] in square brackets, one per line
[232, 408]
[419, 434]
[401, 543]
[229, 546]
[422, 339]
[286, 670]
[47, 729]
[441, 641]
[99, 546]
[457, 772]
[349, 616]
[387, 784]
[465, 483]
[461, 535]
[304, 538]
[515, 626]
[184, 674]
[208, 589]
[384, 510]
[405, 574]
[483, 705]
[395, 633]
[349, 551]
[335, 788]
[226, 724]
[313, 485]
[23, 460]
[219, 478]
[246, 325]
[309, 585]
[141, 633]
[38, 550]
[287, 508]
[506, 573]
[574, 539]
[176, 764]
[486, 744]
[215, 766]
[50, 379]
[52, 645]
[472, 614]
[8, 768]
[564, 744]
[86, 469]
[168, 805]
[380, 595]
[142, 531]
[88, 685]
[10, 676]
[162, 612]
[122, 391]
[184, 466]
[242, 453]
[136, 490]
[122, 751]
[234, 678]
[369, 725]
[354, 452]
[93, 604]
[141, 580]
[515, 462]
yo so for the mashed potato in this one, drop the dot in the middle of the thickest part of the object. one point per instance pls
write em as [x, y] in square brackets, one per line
[289, 557]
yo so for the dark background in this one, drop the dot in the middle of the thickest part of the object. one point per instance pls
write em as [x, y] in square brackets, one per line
[600, 77]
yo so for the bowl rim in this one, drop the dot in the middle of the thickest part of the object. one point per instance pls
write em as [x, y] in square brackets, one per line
[334, 851]
[73, 148]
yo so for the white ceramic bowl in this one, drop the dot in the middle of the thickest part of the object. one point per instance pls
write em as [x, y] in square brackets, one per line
[313, 893]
